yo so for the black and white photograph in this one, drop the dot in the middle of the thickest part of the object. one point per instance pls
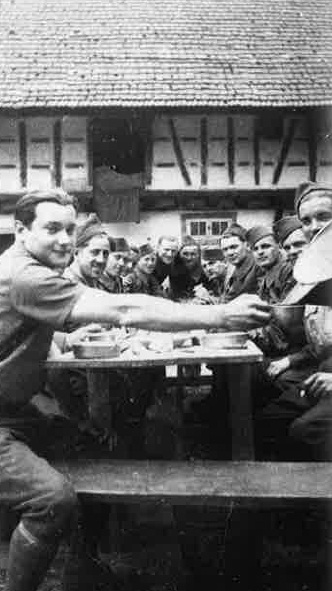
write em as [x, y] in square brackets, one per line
[165, 295]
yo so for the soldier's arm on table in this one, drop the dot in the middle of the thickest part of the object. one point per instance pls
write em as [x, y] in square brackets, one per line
[151, 313]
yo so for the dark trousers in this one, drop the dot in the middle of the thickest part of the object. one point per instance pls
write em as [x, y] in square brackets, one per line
[291, 427]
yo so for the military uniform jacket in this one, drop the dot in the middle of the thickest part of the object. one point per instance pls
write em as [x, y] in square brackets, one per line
[137, 282]
[277, 282]
[244, 279]
[111, 284]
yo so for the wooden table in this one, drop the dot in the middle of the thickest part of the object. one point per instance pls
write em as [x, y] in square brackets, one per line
[237, 365]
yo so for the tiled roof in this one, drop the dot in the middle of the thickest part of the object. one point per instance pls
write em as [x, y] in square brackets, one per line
[165, 53]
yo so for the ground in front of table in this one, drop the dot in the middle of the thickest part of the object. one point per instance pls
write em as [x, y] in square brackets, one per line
[149, 557]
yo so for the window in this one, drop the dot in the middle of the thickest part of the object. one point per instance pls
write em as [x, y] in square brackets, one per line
[206, 228]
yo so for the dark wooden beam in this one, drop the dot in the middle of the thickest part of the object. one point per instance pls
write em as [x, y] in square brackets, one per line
[230, 149]
[257, 161]
[57, 133]
[22, 134]
[178, 153]
[204, 151]
[286, 143]
[89, 143]
[312, 148]
[149, 153]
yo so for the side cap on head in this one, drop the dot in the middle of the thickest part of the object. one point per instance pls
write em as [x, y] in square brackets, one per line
[145, 249]
[257, 233]
[119, 245]
[305, 189]
[212, 254]
[235, 230]
[88, 229]
[285, 226]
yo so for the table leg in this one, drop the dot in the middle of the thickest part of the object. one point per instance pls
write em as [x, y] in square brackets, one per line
[240, 410]
[100, 403]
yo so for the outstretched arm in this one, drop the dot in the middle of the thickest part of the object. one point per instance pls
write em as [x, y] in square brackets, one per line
[147, 312]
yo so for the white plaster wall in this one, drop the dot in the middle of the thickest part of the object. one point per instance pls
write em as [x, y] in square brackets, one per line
[153, 224]
[259, 217]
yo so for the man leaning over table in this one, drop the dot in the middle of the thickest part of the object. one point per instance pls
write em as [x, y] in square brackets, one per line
[35, 300]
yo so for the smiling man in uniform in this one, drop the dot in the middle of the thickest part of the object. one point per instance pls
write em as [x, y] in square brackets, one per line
[36, 299]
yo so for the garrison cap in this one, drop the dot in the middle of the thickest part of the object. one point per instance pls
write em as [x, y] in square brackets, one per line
[257, 233]
[285, 226]
[119, 245]
[88, 229]
[145, 249]
[235, 230]
[305, 189]
[212, 254]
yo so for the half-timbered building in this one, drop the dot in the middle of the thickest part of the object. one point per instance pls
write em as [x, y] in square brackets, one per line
[165, 117]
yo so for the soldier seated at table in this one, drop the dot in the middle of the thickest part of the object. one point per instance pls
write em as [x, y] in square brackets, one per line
[298, 424]
[145, 408]
[91, 254]
[70, 386]
[245, 272]
[289, 233]
[167, 248]
[119, 256]
[187, 272]
[215, 269]
[142, 279]
[290, 236]
[276, 281]
[276, 273]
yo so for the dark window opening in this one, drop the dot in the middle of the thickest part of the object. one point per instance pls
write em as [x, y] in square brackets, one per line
[119, 144]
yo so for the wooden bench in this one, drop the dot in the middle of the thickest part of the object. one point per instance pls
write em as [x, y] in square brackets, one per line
[199, 482]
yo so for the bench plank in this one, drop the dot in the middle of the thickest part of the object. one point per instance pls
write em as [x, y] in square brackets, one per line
[199, 482]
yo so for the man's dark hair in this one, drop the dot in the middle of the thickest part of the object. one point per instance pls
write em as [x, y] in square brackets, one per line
[25, 210]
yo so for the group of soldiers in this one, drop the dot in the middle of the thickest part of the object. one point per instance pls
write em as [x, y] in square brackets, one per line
[258, 260]
[58, 283]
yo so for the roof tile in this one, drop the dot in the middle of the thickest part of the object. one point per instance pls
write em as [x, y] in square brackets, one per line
[177, 53]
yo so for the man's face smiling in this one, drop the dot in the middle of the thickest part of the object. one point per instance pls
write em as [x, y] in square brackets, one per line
[51, 237]
[92, 257]
[167, 250]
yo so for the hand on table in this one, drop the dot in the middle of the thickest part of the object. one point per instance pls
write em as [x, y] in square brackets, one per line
[318, 385]
[247, 311]
[277, 367]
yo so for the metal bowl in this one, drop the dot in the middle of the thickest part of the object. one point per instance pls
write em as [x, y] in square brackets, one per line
[105, 336]
[91, 350]
[224, 340]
